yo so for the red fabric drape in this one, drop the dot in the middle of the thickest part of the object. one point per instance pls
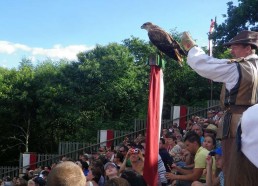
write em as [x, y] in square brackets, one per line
[150, 172]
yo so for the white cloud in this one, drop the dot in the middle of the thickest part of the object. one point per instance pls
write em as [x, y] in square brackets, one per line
[9, 48]
[57, 51]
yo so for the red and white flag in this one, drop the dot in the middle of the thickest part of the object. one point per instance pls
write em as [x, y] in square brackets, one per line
[212, 25]
[156, 91]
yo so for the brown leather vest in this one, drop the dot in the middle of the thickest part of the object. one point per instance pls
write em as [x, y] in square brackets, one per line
[245, 92]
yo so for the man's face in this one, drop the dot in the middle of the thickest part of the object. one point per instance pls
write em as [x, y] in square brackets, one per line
[197, 129]
[134, 157]
[239, 50]
[122, 151]
[164, 132]
[169, 141]
[111, 170]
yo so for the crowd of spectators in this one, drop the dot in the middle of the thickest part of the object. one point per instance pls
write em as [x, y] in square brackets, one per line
[183, 159]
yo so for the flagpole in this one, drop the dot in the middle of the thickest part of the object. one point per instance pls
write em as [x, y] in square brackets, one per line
[212, 25]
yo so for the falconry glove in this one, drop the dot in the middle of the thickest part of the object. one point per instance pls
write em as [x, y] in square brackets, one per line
[187, 42]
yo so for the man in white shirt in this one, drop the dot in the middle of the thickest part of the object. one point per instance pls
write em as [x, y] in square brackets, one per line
[240, 78]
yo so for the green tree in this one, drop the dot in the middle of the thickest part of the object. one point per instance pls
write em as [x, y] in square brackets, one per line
[238, 18]
[116, 90]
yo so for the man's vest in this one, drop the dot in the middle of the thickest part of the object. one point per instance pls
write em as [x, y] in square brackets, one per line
[243, 95]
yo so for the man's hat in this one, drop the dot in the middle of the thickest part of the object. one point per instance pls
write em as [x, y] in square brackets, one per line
[245, 37]
[212, 128]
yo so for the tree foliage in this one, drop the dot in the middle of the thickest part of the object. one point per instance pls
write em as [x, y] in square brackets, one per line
[243, 16]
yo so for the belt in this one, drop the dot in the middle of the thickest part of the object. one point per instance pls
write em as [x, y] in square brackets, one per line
[237, 109]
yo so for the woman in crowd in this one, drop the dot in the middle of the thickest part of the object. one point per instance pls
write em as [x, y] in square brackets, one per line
[118, 159]
[137, 160]
[93, 176]
[111, 170]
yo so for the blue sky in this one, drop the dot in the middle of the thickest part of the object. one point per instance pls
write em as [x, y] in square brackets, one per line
[55, 29]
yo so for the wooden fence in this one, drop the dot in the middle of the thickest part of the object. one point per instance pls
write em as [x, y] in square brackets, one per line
[74, 149]
[11, 171]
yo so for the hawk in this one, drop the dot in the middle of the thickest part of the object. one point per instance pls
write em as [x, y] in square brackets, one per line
[164, 42]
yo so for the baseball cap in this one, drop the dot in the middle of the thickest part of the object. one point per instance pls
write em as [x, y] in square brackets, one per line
[217, 151]
[110, 163]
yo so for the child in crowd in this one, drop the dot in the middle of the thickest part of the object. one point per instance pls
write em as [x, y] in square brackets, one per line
[211, 178]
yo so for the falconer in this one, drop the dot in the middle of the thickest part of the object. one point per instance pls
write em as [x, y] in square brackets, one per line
[239, 77]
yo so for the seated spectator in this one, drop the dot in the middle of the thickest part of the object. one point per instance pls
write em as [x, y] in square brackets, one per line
[21, 182]
[110, 154]
[189, 125]
[133, 178]
[178, 136]
[94, 176]
[161, 172]
[117, 182]
[211, 178]
[164, 133]
[193, 145]
[173, 149]
[111, 170]
[123, 150]
[218, 117]
[197, 128]
[118, 159]
[7, 181]
[165, 156]
[99, 164]
[137, 160]
[211, 116]
[139, 139]
[209, 143]
[85, 158]
[31, 183]
[185, 156]
[211, 130]
[66, 174]
[196, 119]
[85, 167]
[41, 179]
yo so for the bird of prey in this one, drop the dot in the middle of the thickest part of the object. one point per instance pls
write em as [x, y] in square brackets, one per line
[164, 42]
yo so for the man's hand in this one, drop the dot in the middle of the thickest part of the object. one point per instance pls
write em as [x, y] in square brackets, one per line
[187, 42]
[170, 176]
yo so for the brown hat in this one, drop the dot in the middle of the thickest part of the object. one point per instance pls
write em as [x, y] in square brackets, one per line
[245, 37]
